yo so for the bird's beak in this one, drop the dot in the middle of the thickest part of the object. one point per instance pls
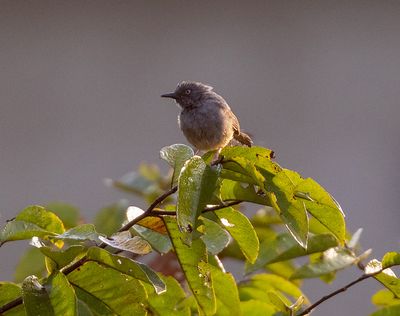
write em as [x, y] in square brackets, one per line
[170, 95]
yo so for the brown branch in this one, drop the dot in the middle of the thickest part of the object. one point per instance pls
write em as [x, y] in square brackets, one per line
[74, 266]
[342, 289]
[150, 209]
[12, 304]
[159, 213]
[221, 206]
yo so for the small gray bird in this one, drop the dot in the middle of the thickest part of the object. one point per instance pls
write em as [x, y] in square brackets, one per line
[206, 119]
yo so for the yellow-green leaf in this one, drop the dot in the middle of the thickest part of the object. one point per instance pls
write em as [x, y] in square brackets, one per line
[284, 247]
[192, 259]
[323, 207]
[241, 229]
[123, 294]
[176, 155]
[196, 184]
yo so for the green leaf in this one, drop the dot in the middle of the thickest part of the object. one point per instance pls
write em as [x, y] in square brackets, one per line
[68, 213]
[197, 182]
[279, 185]
[31, 263]
[273, 290]
[323, 207]
[55, 297]
[283, 269]
[292, 210]
[284, 247]
[247, 168]
[159, 242]
[280, 302]
[123, 294]
[63, 257]
[143, 182]
[384, 298]
[32, 221]
[191, 258]
[94, 304]
[83, 309]
[214, 236]
[127, 266]
[35, 297]
[257, 308]
[390, 259]
[333, 259]
[80, 233]
[271, 282]
[169, 302]
[226, 293]
[109, 219]
[253, 154]
[241, 230]
[61, 294]
[393, 310]
[266, 217]
[9, 292]
[41, 217]
[236, 176]
[233, 190]
[19, 230]
[387, 277]
[256, 156]
[389, 280]
[176, 156]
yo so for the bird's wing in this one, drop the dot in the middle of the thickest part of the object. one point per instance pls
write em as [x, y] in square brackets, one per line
[235, 123]
[241, 137]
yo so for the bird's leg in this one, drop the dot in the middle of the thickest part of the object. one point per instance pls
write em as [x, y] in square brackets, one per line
[217, 158]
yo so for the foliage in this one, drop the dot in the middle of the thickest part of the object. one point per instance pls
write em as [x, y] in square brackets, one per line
[75, 268]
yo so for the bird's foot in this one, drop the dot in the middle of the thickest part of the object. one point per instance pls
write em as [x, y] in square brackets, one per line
[218, 158]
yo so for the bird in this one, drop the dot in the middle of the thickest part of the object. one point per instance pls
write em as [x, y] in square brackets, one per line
[206, 119]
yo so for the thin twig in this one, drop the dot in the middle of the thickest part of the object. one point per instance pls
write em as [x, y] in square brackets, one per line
[146, 213]
[221, 206]
[149, 209]
[12, 304]
[74, 266]
[342, 289]
[159, 212]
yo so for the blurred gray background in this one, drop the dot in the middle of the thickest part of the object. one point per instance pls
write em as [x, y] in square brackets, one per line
[317, 81]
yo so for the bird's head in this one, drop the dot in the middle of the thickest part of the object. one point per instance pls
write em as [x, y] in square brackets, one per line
[188, 93]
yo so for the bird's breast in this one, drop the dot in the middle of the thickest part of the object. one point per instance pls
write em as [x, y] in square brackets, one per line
[206, 127]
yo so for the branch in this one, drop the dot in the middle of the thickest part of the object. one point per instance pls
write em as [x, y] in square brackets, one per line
[150, 209]
[12, 304]
[342, 289]
[221, 206]
[160, 212]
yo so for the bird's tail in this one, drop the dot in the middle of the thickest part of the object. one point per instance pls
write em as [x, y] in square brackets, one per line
[243, 138]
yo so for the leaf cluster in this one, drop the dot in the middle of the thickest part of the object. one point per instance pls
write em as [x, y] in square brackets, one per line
[296, 232]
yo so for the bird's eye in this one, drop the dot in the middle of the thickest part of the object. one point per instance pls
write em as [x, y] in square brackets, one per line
[188, 91]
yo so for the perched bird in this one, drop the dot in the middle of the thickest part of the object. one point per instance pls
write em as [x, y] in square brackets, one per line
[206, 119]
